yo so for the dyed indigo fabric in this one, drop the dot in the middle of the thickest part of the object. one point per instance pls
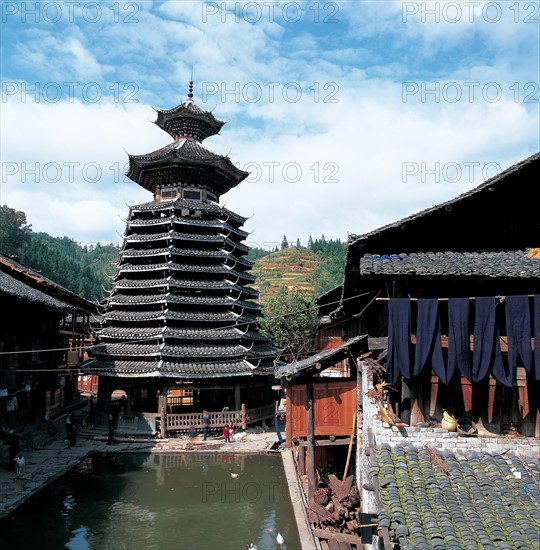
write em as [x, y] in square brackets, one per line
[536, 305]
[484, 336]
[518, 330]
[459, 347]
[428, 339]
[399, 339]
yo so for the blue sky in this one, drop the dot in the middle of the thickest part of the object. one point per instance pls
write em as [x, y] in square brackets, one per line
[348, 114]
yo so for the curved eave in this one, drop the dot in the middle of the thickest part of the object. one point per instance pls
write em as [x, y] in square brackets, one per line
[171, 167]
[172, 369]
[210, 124]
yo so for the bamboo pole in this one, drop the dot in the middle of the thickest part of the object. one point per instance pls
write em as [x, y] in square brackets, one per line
[350, 449]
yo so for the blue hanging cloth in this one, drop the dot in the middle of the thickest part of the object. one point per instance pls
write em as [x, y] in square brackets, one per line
[518, 330]
[501, 370]
[428, 339]
[399, 339]
[459, 347]
[484, 337]
[536, 306]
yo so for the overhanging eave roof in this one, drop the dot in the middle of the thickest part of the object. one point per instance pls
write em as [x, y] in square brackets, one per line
[323, 359]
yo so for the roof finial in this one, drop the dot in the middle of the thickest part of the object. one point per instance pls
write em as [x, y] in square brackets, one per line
[190, 92]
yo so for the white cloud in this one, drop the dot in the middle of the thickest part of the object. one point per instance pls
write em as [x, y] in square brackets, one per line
[351, 121]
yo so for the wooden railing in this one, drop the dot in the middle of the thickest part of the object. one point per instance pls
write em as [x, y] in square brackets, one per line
[242, 418]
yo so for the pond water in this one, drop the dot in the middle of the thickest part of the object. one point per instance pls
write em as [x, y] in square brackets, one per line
[141, 501]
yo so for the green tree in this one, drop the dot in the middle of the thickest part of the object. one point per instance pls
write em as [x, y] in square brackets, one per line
[284, 242]
[291, 319]
[14, 230]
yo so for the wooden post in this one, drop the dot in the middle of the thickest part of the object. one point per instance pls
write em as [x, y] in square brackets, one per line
[312, 483]
[243, 415]
[162, 405]
[351, 443]
[288, 417]
[406, 405]
[237, 399]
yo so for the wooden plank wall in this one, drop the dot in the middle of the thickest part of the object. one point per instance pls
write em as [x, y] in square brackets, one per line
[335, 404]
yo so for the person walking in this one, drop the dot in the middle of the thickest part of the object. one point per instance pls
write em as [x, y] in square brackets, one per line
[206, 423]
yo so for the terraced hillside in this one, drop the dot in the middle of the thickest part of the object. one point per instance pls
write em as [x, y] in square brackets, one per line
[291, 267]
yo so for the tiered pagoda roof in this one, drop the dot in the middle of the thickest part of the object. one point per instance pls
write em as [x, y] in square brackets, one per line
[180, 304]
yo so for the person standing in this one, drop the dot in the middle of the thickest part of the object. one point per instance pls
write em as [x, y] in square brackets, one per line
[226, 434]
[206, 423]
[110, 436]
[14, 449]
[72, 433]
[69, 423]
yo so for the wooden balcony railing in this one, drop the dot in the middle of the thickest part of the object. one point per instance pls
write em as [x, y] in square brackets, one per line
[242, 418]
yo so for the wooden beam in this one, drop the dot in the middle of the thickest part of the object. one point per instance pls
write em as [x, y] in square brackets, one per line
[378, 343]
[342, 537]
[327, 442]
[310, 417]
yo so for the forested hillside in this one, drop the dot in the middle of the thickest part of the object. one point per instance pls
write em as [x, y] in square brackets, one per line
[86, 270]
[81, 269]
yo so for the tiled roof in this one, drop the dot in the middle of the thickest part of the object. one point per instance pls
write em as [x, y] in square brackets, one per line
[435, 499]
[147, 237]
[128, 268]
[13, 287]
[132, 333]
[192, 252]
[169, 350]
[189, 316]
[185, 160]
[127, 350]
[324, 359]
[33, 279]
[484, 264]
[262, 351]
[191, 333]
[189, 237]
[194, 299]
[214, 224]
[187, 268]
[214, 369]
[147, 222]
[188, 119]
[180, 204]
[174, 369]
[198, 284]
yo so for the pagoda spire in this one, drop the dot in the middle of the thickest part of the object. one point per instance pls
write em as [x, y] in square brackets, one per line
[190, 90]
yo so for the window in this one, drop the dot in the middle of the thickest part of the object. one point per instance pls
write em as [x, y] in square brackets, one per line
[193, 194]
[179, 398]
[168, 193]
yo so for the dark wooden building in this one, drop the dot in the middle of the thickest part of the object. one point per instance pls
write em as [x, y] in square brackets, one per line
[44, 329]
[182, 320]
[450, 300]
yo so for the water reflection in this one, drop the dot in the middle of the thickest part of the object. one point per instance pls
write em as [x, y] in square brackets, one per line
[161, 501]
